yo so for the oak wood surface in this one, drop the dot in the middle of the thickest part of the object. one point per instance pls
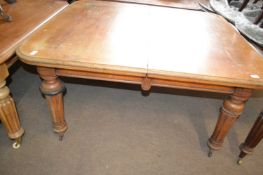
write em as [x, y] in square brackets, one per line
[27, 16]
[157, 42]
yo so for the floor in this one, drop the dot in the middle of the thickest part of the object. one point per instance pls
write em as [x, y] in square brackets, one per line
[115, 130]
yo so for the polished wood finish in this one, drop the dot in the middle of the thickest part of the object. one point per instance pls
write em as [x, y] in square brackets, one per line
[254, 137]
[111, 42]
[27, 16]
[134, 44]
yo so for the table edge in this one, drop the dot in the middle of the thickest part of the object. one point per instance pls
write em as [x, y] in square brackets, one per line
[4, 56]
[140, 72]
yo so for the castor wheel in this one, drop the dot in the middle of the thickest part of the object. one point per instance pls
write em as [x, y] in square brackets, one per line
[239, 161]
[17, 143]
[210, 153]
[7, 18]
[61, 137]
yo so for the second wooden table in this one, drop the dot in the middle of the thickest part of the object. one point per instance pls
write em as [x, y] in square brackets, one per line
[27, 16]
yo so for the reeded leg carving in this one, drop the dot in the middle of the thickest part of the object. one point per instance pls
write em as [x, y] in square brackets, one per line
[231, 110]
[53, 90]
[254, 137]
[8, 113]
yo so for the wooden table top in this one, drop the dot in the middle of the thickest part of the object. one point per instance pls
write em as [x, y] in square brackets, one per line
[27, 16]
[139, 40]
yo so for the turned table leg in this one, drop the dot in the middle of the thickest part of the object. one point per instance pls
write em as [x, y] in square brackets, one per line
[8, 113]
[231, 110]
[244, 4]
[254, 137]
[259, 17]
[53, 90]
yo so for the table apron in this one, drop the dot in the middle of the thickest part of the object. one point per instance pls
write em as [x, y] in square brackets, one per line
[130, 79]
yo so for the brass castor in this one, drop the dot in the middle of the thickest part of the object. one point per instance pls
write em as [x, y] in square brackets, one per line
[210, 153]
[239, 161]
[17, 143]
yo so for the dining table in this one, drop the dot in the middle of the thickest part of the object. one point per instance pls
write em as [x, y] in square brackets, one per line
[146, 46]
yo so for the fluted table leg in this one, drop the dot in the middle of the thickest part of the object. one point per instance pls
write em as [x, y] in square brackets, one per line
[231, 110]
[8, 113]
[53, 90]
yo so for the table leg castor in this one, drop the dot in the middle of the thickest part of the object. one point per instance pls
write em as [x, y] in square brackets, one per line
[17, 143]
[239, 161]
[210, 153]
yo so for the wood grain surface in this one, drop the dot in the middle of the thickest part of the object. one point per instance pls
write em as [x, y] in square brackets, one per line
[157, 42]
[27, 16]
